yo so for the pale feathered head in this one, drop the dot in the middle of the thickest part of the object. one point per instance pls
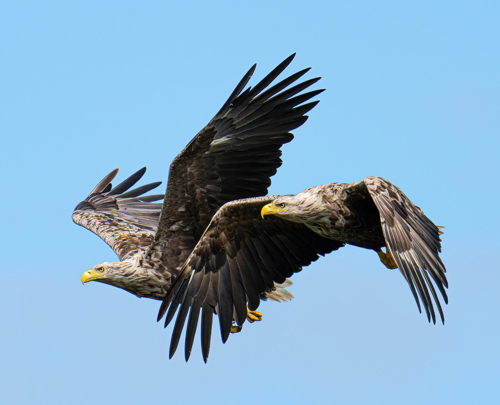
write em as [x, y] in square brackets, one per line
[303, 207]
[129, 276]
[107, 272]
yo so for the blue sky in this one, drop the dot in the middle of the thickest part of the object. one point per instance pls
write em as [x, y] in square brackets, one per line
[413, 95]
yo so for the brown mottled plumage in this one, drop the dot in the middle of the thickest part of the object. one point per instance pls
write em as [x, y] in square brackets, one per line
[241, 254]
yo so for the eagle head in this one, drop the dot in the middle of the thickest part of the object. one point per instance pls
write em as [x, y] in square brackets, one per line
[129, 276]
[288, 207]
[105, 272]
[304, 207]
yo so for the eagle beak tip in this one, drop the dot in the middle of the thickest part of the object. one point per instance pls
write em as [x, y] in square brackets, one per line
[266, 210]
[87, 276]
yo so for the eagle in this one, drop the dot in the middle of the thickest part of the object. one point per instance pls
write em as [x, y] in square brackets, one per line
[232, 157]
[252, 244]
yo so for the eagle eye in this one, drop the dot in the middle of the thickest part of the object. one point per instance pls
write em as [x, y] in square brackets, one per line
[100, 269]
[282, 205]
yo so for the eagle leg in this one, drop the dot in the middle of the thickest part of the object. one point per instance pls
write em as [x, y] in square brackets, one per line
[387, 259]
[252, 316]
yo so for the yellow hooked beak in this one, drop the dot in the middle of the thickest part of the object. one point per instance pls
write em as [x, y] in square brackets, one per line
[90, 275]
[269, 209]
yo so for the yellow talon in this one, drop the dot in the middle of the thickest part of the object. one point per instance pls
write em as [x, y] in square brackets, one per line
[253, 316]
[387, 259]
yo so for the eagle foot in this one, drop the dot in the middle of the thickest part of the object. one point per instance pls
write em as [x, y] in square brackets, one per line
[252, 316]
[387, 259]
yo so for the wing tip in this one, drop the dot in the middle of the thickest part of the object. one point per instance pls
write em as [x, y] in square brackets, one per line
[289, 58]
[104, 182]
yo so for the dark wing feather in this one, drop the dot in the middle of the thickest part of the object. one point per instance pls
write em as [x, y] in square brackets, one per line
[125, 219]
[240, 257]
[413, 241]
[232, 158]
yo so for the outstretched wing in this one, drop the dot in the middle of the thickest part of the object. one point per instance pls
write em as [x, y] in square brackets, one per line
[232, 158]
[125, 219]
[239, 257]
[413, 241]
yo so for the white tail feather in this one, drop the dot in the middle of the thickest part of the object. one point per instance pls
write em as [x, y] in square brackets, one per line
[280, 294]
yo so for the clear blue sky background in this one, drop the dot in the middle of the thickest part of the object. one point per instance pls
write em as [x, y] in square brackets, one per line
[413, 95]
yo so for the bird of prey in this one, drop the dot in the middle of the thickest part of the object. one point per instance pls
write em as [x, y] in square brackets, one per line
[233, 157]
[253, 243]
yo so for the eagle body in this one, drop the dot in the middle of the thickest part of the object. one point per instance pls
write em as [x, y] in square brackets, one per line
[255, 242]
[233, 157]
[372, 214]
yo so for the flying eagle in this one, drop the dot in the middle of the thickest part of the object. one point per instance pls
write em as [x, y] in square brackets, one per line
[233, 157]
[253, 243]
